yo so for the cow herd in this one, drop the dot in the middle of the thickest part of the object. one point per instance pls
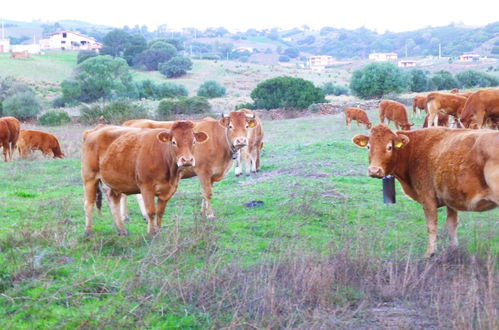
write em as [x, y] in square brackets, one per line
[442, 166]
[453, 167]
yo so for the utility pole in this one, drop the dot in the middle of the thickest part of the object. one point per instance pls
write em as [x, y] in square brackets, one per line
[439, 50]
[406, 48]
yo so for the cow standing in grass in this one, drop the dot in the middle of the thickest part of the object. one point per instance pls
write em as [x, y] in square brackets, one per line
[149, 162]
[250, 155]
[396, 112]
[437, 167]
[357, 114]
[47, 143]
[9, 134]
[452, 104]
[481, 108]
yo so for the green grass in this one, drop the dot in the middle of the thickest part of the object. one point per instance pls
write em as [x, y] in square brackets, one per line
[317, 200]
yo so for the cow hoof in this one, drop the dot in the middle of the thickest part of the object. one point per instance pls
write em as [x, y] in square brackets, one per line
[238, 175]
[123, 232]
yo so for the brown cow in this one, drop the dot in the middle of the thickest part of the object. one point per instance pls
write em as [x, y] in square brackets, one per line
[452, 104]
[479, 107]
[250, 155]
[443, 120]
[147, 123]
[358, 115]
[9, 134]
[419, 103]
[438, 167]
[214, 158]
[30, 140]
[396, 112]
[137, 161]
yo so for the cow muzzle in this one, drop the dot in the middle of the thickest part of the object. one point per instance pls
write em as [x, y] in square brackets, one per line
[186, 161]
[240, 142]
[376, 172]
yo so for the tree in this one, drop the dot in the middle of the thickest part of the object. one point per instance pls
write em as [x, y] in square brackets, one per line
[292, 52]
[331, 89]
[418, 80]
[471, 78]
[211, 89]
[286, 92]
[176, 67]
[377, 79]
[23, 105]
[115, 43]
[150, 59]
[137, 44]
[444, 80]
[84, 54]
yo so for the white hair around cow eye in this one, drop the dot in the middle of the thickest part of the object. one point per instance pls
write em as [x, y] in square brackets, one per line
[231, 126]
[368, 146]
[389, 147]
[174, 142]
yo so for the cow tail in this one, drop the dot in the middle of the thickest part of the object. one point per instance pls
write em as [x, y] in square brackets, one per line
[98, 200]
[57, 151]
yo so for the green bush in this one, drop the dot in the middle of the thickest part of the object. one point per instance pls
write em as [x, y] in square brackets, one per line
[114, 113]
[443, 80]
[250, 106]
[377, 79]
[211, 89]
[84, 54]
[22, 105]
[331, 89]
[286, 92]
[54, 118]
[418, 81]
[149, 90]
[168, 108]
[176, 67]
[471, 78]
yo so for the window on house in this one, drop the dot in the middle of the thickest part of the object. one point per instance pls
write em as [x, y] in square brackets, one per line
[64, 35]
[83, 42]
[63, 42]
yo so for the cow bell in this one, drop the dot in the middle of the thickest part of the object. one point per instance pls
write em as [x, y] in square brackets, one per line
[389, 189]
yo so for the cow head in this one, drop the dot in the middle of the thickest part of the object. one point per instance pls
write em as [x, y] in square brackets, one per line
[469, 120]
[238, 124]
[383, 145]
[406, 127]
[182, 138]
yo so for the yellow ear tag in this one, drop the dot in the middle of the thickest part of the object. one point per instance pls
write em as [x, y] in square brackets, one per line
[252, 124]
[399, 144]
[363, 142]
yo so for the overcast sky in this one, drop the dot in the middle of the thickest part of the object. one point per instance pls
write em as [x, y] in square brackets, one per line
[379, 15]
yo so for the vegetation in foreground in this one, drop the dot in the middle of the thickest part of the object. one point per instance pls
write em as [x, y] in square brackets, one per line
[322, 252]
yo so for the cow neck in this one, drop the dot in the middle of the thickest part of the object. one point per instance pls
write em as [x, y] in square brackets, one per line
[171, 167]
[233, 151]
[403, 161]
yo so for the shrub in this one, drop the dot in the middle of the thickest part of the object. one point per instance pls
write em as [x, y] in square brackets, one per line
[286, 92]
[471, 78]
[150, 59]
[148, 89]
[114, 113]
[22, 105]
[54, 118]
[250, 106]
[418, 80]
[168, 108]
[443, 80]
[211, 89]
[332, 89]
[176, 67]
[377, 79]
[84, 54]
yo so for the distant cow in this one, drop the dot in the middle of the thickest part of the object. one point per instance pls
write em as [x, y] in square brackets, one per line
[357, 114]
[443, 120]
[452, 104]
[137, 161]
[419, 103]
[23, 54]
[30, 140]
[438, 167]
[481, 107]
[249, 156]
[396, 112]
[9, 134]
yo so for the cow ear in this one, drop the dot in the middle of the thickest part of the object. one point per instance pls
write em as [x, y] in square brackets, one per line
[201, 137]
[224, 121]
[400, 141]
[361, 140]
[164, 136]
[251, 122]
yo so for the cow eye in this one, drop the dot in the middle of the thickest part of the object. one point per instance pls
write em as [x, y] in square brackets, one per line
[368, 147]
[231, 126]
[247, 126]
[174, 142]
[389, 147]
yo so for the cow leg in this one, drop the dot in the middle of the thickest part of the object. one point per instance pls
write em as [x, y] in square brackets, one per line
[253, 156]
[5, 150]
[435, 120]
[397, 125]
[238, 170]
[148, 196]
[257, 162]
[207, 184]
[160, 211]
[431, 222]
[12, 148]
[452, 222]
[142, 207]
[90, 187]
[114, 204]
[124, 208]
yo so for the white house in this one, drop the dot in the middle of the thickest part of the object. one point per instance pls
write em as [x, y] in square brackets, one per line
[381, 57]
[469, 57]
[69, 40]
[319, 62]
[406, 63]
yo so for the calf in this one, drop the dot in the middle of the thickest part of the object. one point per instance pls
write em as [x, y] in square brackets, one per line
[137, 161]
[396, 112]
[482, 107]
[452, 104]
[438, 167]
[443, 120]
[419, 103]
[9, 134]
[37, 140]
[250, 155]
[358, 115]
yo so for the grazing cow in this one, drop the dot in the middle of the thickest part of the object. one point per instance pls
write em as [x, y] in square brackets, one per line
[396, 112]
[443, 120]
[438, 167]
[9, 134]
[214, 158]
[250, 155]
[419, 103]
[358, 115]
[479, 107]
[452, 104]
[30, 140]
[137, 161]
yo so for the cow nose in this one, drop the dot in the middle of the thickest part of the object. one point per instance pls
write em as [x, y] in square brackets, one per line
[241, 141]
[376, 172]
[186, 161]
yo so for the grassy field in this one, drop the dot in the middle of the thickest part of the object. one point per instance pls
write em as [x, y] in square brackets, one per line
[322, 252]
